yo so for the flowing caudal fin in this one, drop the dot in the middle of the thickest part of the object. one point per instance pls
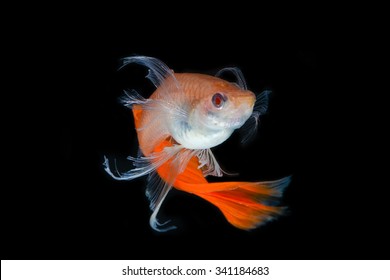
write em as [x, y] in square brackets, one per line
[249, 205]
[246, 205]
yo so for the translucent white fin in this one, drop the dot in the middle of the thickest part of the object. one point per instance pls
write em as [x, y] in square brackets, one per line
[107, 168]
[261, 104]
[161, 107]
[237, 73]
[132, 97]
[249, 129]
[157, 189]
[208, 163]
[143, 165]
[158, 72]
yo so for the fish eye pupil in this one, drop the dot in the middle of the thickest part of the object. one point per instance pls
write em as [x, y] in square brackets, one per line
[218, 100]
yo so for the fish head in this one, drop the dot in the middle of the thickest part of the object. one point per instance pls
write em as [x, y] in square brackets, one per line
[226, 106]
[214, 109]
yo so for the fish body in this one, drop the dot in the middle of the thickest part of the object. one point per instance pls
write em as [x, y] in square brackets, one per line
[186, 116]
[189, 115]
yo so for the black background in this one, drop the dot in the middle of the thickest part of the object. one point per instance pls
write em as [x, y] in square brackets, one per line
[60, 204]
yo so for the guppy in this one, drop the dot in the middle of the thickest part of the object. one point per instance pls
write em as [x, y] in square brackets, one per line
[186, 116]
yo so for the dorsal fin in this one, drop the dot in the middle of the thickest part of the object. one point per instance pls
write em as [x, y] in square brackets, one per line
[158, 72]
[240, 80]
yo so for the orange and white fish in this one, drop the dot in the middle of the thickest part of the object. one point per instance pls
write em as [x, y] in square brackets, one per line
[186, 116]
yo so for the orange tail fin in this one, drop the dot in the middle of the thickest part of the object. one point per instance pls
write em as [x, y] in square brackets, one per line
[242, 208]
[246, 205]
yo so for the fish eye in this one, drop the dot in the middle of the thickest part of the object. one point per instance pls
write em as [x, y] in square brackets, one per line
[218, 100]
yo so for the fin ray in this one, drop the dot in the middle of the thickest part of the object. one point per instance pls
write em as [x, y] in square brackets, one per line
[249, 129]
[158, 70]
[237, 73]
[161, 181]
[158, 74]
[208, 163]
[243, 209]
[156, 191]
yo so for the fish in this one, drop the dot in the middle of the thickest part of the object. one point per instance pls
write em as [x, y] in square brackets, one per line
[186, 116]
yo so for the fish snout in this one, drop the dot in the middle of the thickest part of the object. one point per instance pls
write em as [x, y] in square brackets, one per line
[248, 100]
[251, 99]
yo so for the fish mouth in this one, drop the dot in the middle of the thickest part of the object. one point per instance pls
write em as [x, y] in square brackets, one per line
[229, 122]
[224, 121]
